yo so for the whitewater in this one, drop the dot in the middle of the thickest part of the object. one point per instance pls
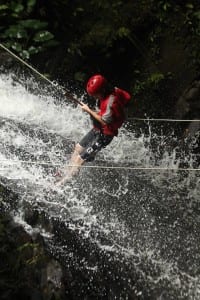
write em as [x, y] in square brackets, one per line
[147, 218]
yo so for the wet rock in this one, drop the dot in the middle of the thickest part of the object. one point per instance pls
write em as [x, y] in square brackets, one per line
[189, 101]
[52, 280]
[28, 272]
[36, 218]
[188, 106]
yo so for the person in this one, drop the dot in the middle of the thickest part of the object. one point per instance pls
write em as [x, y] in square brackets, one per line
[106, 123]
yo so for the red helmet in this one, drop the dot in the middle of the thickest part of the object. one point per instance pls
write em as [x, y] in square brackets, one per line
[95, 84]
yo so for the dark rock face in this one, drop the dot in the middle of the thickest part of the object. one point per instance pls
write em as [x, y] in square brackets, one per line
[27, 271]
[33, 270]
[188, 107]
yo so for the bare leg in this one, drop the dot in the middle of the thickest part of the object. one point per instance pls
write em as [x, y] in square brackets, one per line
[76, 163]
[73, 168]
[77, 151]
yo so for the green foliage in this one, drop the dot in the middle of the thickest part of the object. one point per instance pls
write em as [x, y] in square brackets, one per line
[30, 253]
[97, 35]
[151, 82]
[181, 22]
[43, 36]
[25, 35]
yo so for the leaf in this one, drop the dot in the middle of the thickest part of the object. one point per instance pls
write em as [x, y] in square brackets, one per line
[8, 44]
[155, 78]
[33, 23]
[80, 9]
[197, 14]
[33, 50]
[189, 5]
[123, 32]
[3, 7]
[30, 5]
[25, 54]
[43, 36]
[16, 7]
[17, 47]
[15, 32]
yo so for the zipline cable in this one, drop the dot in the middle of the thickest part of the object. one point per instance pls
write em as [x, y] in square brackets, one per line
[162, 120]
[103, 167]
[72, 98]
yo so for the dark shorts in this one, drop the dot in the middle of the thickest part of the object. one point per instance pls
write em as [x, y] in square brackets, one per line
[92, 143]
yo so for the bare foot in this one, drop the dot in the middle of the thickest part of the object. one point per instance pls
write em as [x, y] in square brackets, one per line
[61, 181]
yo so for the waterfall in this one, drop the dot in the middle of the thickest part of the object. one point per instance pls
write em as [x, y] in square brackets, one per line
[146, 218]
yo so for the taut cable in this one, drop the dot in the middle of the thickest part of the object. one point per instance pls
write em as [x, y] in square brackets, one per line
[100, 167]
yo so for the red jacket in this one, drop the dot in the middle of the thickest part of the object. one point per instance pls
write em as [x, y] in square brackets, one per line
[112, 111]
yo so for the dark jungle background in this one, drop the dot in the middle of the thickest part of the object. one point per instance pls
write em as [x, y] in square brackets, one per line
[148, 47]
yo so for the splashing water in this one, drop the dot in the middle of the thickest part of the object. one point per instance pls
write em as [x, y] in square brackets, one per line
[149, 218]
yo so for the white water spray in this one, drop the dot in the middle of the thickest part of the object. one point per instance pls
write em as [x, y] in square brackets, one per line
[128, 208]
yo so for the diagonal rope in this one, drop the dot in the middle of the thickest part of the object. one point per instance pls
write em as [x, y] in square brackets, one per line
[28, 65]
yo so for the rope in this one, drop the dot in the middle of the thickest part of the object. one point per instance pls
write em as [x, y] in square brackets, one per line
[135, 168]
[56, 85]
[162, 120]
[106, 167]
[28, 65]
